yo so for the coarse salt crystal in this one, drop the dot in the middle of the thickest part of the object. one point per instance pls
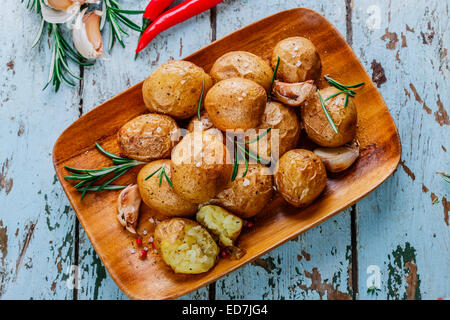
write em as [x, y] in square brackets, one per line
[158, 129]
[132, 251]
[146, 248]
[157, 222]
[198, 164]
[155, 251]
[150, 240]
[244, 94]
[183, 81]
[296, 49]
[151, 220]
[239, 99]
[144, 232]
[246, 182]
[299, 64]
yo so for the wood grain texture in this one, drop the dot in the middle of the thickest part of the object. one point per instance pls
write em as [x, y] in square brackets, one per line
[399, 228]
[152, 279]
[286, 272]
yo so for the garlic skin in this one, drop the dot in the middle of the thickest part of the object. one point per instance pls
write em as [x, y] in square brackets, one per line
[62, 11]
[86, 35]
[340, 158]
[128, 204]
[293, 94]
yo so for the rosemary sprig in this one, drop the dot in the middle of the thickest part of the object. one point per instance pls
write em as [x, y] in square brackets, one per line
[273, 78]
[445, 176]
[162, 172]
[344, 89]
[327, 114]
[117, 18]
[87, 177]
[201, 97]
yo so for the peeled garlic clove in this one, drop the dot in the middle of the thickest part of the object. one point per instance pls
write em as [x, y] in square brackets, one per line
[293, 94]
[340, 158]
[128, 205]
[86, 35]
[53, 15]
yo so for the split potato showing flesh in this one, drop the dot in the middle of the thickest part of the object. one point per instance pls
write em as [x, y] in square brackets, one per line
[148, 137]
[242, 64]
[201, 167]
[317, 125]
[285, 130]
[223, 225]
[300, 177]
[247, 196]
[235, 103]
[299, 60]
[185, 246]
[162, 197]
[174, 88]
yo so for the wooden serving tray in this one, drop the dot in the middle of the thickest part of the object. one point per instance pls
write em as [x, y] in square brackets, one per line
[151, 278]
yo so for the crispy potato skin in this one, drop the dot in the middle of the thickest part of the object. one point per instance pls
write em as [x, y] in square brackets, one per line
[201, 167]
[205, 124]
[174, 88]
[247, 196]
[282, 118]
[242, 64]
[317, 126]
[162, 199]
[235, 103]
[299, 60]
[148, 137]
[225, 226]
[300, 177]
[185, 246]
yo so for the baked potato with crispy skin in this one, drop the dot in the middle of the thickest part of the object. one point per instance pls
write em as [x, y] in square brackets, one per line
[162, 198]
[235, 103]
[299, 60]
[148, 137]
[185, 246]
[174, 88]
[247, 196]
[300, 177]
[201, 167]
[317, 126]
[242, 64]
[283, 119]
[223, 225]
[205, 124]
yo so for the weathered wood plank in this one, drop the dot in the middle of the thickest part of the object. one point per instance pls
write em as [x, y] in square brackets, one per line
[110, 77]
[317, 265]
[36, 220]
[404, 45]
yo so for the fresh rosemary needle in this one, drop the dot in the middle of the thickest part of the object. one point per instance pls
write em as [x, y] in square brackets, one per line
[269, 93]
[445, 176]
[201, 97]
[87, 177]
[327, 114]
[344, 89]
[162, 173]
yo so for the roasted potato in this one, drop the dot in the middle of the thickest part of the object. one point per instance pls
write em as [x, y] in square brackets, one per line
[286, 131]
[148, 137]
[201, 167]
[299, 60]
[242, 64]
[185, 246]
[235, 103]
[162, 198]
[223, 225]
[247, 196]
[317, 126]
[174, 88]
[204, 124]
[300, 177]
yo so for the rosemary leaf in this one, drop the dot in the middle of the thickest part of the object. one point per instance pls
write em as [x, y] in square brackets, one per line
[236, 163]
[259, 137]
[201, 98]
[327, 114]
[273, 78]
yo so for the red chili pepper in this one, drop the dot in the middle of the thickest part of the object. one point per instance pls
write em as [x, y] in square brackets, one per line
[155, 8]
[139, 241]
[176, 15]
[224, 253]
[250, 224]
[143, 254]
[153, 245]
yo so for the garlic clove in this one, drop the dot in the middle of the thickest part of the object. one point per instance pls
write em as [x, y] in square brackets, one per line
[340, 158]
[52, 15]
[128, 204]
[293, 94]
[59, 4]
[86, 35]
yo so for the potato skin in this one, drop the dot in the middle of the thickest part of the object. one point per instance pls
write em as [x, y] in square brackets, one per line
[248, 199]
[317, 126]
[299, 60]
[235, 103]
[205, 125]
[185, 246]
[282, 118]
[174, 88]
[201, 167]
[162, 199]
[242, 64]
[300, 177]
[148, 137]
[225, 226]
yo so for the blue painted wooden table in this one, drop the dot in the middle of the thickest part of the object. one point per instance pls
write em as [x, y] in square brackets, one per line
[394, 244]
